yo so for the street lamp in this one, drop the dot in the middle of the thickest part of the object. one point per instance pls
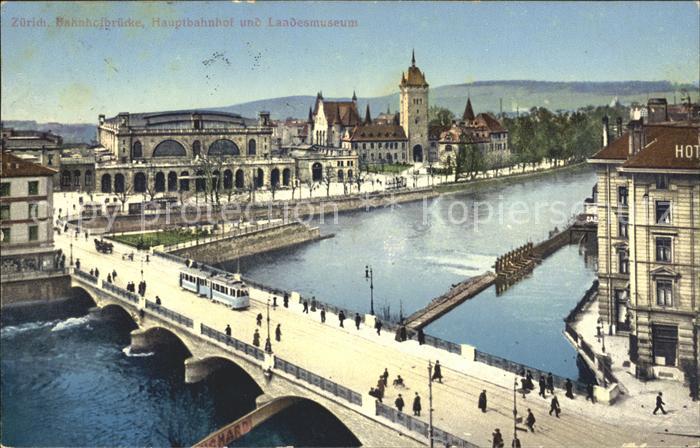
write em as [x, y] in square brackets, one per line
[71, 253]
[515, 409]
[430, 403]
[268, 343]
[369, 275]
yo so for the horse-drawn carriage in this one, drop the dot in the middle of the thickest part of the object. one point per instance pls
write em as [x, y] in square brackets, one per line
[103, 247]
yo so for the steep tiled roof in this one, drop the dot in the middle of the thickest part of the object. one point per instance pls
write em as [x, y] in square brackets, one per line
[457, 134]
[377, 132]
[13, 166]
[666, 148]
[468, 114]
[344, 111]
[489, 121]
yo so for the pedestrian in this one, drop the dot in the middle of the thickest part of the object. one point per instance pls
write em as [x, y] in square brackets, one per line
[402, 333]
[285, 300]
[378, 326]
[97, 273]
[313, 304]
[92, 272]
[482, 401]
[416, 405]
[158, 302]
[86, 235]
[323, 315]
[550, 383]
[554, 406]
[569, 389]
[385, 377]
[358, 319]
[437, 372]
[77, 264]
[228, 330]
[274, 302]
[341, 318]
[114, 274]
[399, 403]
[421, 337]
[589, 393]
[529, 383]
[258, 319]
[143, 293]
[306, 306]
[256, 338]
[516, 442]
[109, 278]
[278, 333]
[659, 404]
[543, 386]
[497, 439]
[530, 421]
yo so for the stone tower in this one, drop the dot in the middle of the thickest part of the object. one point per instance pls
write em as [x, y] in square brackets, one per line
[414, 111]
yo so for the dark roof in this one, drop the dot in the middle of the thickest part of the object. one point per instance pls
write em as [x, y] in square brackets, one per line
[490, 122]
[660, 151]
[145, 119]
[344, 112]
[377, 132]
[435, 131]
[13, 166]
[468, 111]
[618, 149]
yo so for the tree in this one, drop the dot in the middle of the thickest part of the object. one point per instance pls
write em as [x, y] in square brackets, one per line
[328, 177]
[439, 116]
[469, 158]
[311, 184]
[124, 194]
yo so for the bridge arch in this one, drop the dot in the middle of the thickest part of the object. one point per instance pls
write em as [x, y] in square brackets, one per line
[159, 338]
[223, 367]
[325, 421]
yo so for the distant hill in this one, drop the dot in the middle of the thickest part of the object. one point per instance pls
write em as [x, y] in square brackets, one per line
[71, 133]
[485, 95]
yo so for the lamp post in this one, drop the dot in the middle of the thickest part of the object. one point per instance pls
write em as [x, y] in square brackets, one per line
[268, 343]
[71, 253]
[430, 403]
[515, 409]
[369, 275]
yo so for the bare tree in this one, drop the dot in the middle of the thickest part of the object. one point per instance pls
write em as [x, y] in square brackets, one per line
[311, 184]
[328, 177]
[358, 181]
[124, 194]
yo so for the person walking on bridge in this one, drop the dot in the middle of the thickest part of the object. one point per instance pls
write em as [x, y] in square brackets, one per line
[258, 319]
[543, 387]
[385, 377]
[554, 406]
[306, 307]
[399, 403]
[416, 405]
[228, 330]
[550, 383]
[421, 337]
[256, 338]
[278, 333]
[497, 439]
[569, 389]
[659, 404]
[482, 401]
[341, 318]
[114, 274]
[323, 315]
[285, 300]
[530, 420]
[358, 319]
[378, 326]
[590, 393]
[437, 372]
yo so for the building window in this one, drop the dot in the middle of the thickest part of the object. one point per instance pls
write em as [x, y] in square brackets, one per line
[663, 212]
[33, 211]
[664, 344]
[5, 189]
[664, 292]
[5, 234]
[5, 211]
[663, 249]
[50, 157]
[662, 181]
[622, 227]
[33, 233]
[623, 262]
[33, 187]
[622, 196]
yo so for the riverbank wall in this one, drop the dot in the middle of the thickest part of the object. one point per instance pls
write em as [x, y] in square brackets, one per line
[252, 243]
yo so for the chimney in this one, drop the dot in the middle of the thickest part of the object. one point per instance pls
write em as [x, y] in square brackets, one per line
[101, 118]
[619, 127]
[606, 131]
[637, 138]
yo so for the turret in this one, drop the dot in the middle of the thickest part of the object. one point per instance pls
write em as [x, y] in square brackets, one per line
[368, 118]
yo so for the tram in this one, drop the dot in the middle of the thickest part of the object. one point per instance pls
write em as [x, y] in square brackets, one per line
[227, 289]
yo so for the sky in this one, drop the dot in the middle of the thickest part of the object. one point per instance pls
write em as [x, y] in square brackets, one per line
[52, 72]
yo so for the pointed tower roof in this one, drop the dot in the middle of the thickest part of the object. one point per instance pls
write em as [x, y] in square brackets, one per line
[337, 114]
[368, 118]
[468, 111]
[388, 110]
[414, 78]
[413, 58]
[354, 97]
[310, 115]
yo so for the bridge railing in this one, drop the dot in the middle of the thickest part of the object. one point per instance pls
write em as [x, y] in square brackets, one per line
[232, 342]
[121, 292]
[416, 425]
[169, 314]
[85, 276]
[319, 381]
[520, 369]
